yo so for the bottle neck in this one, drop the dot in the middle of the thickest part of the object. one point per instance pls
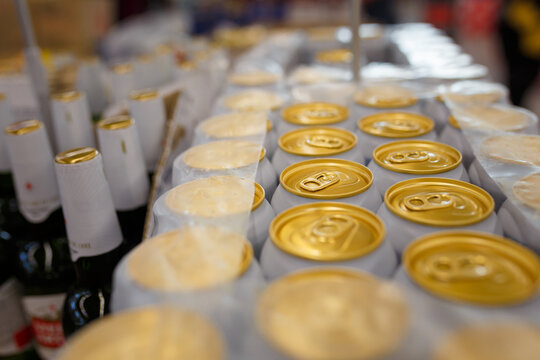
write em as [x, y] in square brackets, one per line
[96, 271]
[7, 187]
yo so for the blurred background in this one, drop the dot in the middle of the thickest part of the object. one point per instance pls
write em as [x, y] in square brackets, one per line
[503, 35]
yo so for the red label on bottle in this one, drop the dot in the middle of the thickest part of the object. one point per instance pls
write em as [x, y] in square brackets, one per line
[48, 333]
[23, 337]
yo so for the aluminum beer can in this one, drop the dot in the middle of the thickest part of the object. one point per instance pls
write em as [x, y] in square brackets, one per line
[506, 154]
[417, 207]
[327, 234]
[257, 78]
[373, 99]
[328, 314]
[230, 202]
[375, 130]
[341, 58]
[226, 157]
[314, 114]
[238, 125]
[409, 159]
[509, 339]
[196, 266]
[183, 334]
[485, 118]
[462, 93]
[312, 181]
[476, 274]
[515, 223]
[316, 142]
[253, 100]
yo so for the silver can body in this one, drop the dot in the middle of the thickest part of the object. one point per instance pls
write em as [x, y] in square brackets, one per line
[275, 263]
[518, 227]
[454, 137]
[285, 126]
[267, 177]
[259, 223]
[282, 158]
[437, 111]
[524, 311]
[283, 200]
[368, 142]
[480, 177]
[384, 178]
[400, 232]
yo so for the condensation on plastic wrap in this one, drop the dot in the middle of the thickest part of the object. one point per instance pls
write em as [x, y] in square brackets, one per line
[505, 163]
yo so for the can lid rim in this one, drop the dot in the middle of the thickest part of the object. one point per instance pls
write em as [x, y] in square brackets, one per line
[362, 170]
[456, 155]
[492, 243]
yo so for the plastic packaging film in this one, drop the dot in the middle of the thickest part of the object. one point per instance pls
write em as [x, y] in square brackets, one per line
[505, 146]
[211, 206]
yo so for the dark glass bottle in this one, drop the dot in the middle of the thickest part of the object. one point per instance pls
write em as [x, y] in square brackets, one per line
[95, 238]
[126, 174]
[42, 263]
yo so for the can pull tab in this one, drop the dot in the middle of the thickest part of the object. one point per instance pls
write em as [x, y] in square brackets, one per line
[334, 230]
[401, 125]
[327, 142]
[319, 181]
[427, 202]
[462, 267]
[405, 157]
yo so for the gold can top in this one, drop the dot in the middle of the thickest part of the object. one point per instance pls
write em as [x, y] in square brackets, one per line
[76, 156]
[117, 122]
[190, 259]
[254, 100]
[23, 127]
[328, 314]
[326, 179]
[236, 124]
[68, 96]
[253, 78]
[121, 69]
[491, 341]
[327, 231]
[183, 335]
[515, 149]
[225, 154]
[334, 56]
[527, 190]
[439, 202]
[417, 157]
[492, 117]
[144, 95]
[473, 267]
[385, 96]
[258, 197]
[396, 125]
[317, 141]
[212, 197]
[315, 113]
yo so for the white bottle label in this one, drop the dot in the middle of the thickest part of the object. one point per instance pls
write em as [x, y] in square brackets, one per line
[45, 313]
[15, 332]
[33, 173]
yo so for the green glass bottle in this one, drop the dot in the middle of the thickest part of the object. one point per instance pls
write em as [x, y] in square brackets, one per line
[95, 238]
[42, 263]
[126, 174]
